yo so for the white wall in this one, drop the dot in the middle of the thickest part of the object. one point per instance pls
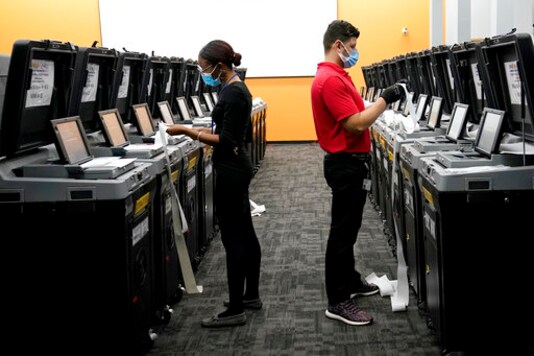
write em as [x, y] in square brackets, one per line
[436, 22]
[458, 19]
[502, 16]
[480, 18]
[476, 19]
[524, 15]
[496, 17]
[277, 38]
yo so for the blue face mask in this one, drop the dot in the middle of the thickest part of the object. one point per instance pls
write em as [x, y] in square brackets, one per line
[209, 80]
[351, 59]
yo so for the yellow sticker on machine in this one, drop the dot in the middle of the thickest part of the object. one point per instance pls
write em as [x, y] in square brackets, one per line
[192, 163]
[141, 203]
[405, 173]
[174, 175]
[428, 196]
[382, 141]
[390, 154]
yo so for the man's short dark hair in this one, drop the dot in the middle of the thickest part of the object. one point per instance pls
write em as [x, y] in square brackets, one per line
[339, 30]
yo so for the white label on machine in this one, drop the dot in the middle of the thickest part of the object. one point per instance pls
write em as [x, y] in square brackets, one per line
[191, 183]
[169, 82]
[476, 79]
[184, 84]
[42, 83]
[139, 231]
[426, 220]
[150, 81]
[514, 82]
[451, 78]
[123, 89]
[168, 204]
[207, 170]
[91, 84]
[408, 200]
[366, 184]
[197, 84]
[430, 225]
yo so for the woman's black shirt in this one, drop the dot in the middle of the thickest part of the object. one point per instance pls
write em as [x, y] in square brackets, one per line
[231, 116]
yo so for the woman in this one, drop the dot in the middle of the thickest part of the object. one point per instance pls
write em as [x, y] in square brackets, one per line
[233, 172]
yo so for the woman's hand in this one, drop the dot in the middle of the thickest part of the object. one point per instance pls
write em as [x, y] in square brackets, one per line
[176, 129]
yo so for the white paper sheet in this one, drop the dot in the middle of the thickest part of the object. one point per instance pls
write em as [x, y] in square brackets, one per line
[256, 210]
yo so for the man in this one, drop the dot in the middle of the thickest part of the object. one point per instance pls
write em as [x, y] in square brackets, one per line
[342, 126]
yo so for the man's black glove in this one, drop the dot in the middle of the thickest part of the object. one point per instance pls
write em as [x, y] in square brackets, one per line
[393, 93]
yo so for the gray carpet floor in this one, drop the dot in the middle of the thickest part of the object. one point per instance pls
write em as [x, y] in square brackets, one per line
[293, 233]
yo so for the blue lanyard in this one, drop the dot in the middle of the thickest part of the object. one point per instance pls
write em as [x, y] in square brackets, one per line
[227, 82]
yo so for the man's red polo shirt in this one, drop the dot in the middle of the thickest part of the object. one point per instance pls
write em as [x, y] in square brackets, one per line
[334, 98]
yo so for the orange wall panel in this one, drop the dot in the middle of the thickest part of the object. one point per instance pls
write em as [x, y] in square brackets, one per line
[380, 23]
[289, 114]
[75, 21]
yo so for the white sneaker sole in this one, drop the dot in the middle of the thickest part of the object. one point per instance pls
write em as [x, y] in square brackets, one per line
[354, 295]
[346, 321]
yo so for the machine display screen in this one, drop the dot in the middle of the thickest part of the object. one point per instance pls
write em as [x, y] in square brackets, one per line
[435, 112]
[459, 113]
[184, 108]
[113, 128]
[73, 146]
[420, 109]
[489, 131]
[166, 113]
[196, 105]
[144, 120]
[209, 103]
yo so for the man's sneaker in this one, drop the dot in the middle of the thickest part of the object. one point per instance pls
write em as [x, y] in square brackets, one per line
[365, 289]
[348, 313]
